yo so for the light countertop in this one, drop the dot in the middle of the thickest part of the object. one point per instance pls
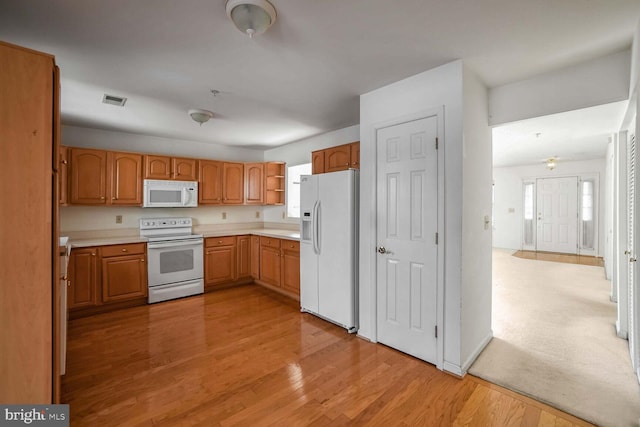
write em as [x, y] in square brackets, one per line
[119, 240]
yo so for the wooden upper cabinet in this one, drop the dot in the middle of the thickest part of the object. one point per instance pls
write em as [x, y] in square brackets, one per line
[88, 176]
[63, 175]
[355, 155]
[317, 162]
[210, 182]
[334, 159]
[126, 178]
[337, 158]
[184, 169]
[157, 167]
[254, 183]
[233, 183]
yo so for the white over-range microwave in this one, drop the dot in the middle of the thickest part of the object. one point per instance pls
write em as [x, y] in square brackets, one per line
[170, 194]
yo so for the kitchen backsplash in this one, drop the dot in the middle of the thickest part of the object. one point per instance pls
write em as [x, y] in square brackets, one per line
[85, 218]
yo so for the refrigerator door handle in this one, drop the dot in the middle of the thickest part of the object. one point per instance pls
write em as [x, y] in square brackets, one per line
[315, 227]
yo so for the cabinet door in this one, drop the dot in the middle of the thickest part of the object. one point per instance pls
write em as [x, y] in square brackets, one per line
[88, 176]
[123, 277]
[126, 179]
[157, 167]
[210, 182]
[337, 158]
[184, 169]
[270, 265]
[355, 155]
[233, 184]
[63, 171]
[243, 256]
[255, 257]
[254, 183]
[219, 265]
[291, 266]
[82, 285]
[317, 162]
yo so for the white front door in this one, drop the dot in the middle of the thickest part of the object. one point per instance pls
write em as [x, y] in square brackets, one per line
[557, 219]
[407, 222]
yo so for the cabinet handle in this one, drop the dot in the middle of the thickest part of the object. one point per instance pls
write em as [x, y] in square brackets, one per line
[93, 254]
[142, 260]
[113, 198]
[101, 197]
[64, 162]
[219, 242]
[124, 250]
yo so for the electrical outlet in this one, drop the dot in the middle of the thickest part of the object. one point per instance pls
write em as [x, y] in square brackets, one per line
[118, 219]
[257, 214]
[282, 215]
[224, 215]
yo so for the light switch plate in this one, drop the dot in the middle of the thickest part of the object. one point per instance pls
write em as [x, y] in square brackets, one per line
[224, 215]
[118, 219]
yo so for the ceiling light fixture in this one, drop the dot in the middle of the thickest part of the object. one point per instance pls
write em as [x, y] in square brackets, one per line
[200, 116]
[251, 16]
[551, 163]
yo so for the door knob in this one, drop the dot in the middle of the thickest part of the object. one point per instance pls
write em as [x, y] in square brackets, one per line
[632, 260]
[382, 250]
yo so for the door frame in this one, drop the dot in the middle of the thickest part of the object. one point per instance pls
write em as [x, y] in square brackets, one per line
[438, 112]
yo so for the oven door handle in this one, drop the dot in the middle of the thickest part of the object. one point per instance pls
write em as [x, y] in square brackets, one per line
[173, 244]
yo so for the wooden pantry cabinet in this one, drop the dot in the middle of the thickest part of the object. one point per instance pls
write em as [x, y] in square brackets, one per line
[175, 168]
[99, 177]
[104, 278]
[336, 159]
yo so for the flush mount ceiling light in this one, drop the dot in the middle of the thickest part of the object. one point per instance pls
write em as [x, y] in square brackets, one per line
[200, 116]
[251, 16]
[551, 163]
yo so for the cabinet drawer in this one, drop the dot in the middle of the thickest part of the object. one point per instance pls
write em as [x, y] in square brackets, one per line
[116, 250]
[220, 241]
[291, 245]
[270, 242]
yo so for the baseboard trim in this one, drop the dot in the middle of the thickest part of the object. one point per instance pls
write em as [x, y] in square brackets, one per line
[620, 333]
[453, 369]
[472, 358]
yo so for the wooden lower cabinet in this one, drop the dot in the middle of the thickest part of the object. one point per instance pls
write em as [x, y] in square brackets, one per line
[124, 272]
[83, 278]
[219, 260]
[290, 261]
[280, 264]
[255, 257]
[243, 256]
[270, 261]
[105, 278]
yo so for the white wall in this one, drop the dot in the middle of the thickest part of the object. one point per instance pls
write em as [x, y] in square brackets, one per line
[300, 152]
[73, 136]
[507, 231]
[439, 89]
[591, 83]
[476, 205]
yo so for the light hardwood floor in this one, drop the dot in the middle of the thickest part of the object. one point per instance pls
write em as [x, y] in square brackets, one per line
[247, 356]
[557, 257]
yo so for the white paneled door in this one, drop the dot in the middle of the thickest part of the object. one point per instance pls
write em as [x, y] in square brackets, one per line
[557, 214]
[407, 208]
[632, 253]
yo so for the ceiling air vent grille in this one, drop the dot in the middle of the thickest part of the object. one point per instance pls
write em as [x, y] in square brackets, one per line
[114, 100]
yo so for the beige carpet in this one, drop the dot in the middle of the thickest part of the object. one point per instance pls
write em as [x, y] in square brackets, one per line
[554, 340]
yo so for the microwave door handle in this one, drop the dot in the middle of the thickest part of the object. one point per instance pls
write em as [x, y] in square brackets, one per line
[186, 197]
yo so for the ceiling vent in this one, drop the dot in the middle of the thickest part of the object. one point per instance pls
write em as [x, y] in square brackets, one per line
[114, 100]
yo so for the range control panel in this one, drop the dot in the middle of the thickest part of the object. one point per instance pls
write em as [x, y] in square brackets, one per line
[153, 223]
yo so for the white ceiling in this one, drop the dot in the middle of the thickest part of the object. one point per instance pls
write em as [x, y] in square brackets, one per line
[571, 136]
[304, 75]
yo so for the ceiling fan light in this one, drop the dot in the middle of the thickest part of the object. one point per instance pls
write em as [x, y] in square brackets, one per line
[251, 16]
[200, 116]
[551, 164]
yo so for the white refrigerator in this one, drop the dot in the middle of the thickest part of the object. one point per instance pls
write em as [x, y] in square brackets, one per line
[329, 247]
